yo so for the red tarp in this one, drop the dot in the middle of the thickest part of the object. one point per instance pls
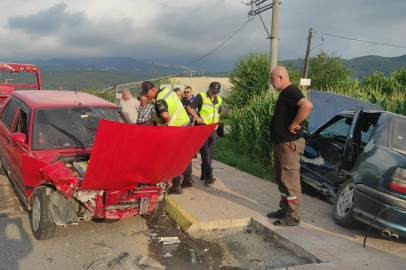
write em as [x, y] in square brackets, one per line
[126, 154]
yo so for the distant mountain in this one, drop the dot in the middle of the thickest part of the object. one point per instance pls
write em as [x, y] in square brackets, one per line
[365, 66]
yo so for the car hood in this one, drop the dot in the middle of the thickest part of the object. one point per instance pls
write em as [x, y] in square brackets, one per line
[327, 105]
[127, 154]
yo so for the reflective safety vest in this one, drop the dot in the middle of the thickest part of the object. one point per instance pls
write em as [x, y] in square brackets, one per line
[209, 112]
[177, 113]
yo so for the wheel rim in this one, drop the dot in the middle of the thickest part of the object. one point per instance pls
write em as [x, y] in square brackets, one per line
[36, 214]
[345, 200]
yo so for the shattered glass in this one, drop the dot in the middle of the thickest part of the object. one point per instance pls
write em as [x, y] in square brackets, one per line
[56, 128]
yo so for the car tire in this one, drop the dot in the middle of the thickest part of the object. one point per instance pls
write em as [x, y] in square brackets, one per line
[155, 213]
[344, 204]
[42, 222]
[2, 169]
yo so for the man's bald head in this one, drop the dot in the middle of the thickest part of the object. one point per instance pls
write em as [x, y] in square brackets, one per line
[279, 78]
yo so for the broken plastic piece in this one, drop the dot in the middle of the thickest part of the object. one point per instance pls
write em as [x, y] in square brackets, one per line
[120, 259]
[168, 240]
[167, 255]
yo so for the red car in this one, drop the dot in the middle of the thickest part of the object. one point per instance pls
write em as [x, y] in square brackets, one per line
[74, 156]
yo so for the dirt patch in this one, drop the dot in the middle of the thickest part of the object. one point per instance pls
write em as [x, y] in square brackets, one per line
[236, 248]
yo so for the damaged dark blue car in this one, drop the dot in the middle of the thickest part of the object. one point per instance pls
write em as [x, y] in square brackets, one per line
[355, 157]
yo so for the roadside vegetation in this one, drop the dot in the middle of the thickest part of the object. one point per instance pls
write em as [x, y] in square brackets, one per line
[250, 106]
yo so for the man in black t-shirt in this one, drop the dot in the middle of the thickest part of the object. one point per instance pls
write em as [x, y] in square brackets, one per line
[286, 132]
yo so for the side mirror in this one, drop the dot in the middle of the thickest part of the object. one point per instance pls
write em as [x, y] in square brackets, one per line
[19, 137]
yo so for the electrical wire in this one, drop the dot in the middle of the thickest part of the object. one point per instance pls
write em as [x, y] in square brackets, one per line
[334, 29]
[360, 40]
[220, 44]
[345, 19]
[350, 11]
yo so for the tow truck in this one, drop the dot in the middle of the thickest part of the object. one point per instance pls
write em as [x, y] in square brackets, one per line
[7, 88]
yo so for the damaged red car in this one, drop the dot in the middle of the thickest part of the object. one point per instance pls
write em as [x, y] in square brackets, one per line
[75, 157]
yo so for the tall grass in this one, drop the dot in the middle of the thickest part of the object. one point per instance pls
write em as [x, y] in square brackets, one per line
[249, 126]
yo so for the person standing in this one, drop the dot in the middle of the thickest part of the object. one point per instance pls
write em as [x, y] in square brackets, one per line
[187, 99]
[208, 107]
[169, 112]
[146, 112]
[286, 132]
[129, 105]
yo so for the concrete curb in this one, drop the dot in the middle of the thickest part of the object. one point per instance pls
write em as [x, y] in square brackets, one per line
[185, 220]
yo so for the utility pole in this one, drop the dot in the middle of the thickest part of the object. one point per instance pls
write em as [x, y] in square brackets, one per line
[260, 7]
[309, 42]
[273, 58]
[152, 73]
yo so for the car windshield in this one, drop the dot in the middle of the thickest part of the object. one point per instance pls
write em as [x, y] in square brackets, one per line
[69, 127]
[397, 136]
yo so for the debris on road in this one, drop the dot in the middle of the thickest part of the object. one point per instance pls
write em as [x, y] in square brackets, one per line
[120, 259]
[167, 255]
[168, 240]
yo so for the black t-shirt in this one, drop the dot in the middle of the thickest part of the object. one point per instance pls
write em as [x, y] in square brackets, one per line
[283, 115]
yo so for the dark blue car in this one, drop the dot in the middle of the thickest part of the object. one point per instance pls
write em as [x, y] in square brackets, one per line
[355, 157]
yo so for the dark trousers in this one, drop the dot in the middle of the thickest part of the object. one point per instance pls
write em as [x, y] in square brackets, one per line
[207, 152]
[176, 180]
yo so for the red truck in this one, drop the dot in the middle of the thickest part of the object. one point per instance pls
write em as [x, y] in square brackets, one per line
[7, 88]
[75, 157]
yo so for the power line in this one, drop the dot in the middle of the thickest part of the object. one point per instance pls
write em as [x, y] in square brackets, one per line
[360, 40]
[339, 30]
[220, 44]
[350, 11]
[341, 18]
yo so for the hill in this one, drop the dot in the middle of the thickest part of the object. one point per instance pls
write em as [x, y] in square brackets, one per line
[365, 66]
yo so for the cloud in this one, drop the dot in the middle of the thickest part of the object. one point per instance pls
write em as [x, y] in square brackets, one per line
[47, 22]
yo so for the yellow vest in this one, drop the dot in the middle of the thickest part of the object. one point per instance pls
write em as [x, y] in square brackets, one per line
[177, 113]
[209, 112]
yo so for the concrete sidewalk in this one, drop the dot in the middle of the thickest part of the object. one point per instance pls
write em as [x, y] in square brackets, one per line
[237, 199]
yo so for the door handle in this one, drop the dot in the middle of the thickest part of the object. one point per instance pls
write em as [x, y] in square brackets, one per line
[8, 139]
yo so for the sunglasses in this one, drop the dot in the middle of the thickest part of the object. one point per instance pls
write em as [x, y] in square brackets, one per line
[187, 92]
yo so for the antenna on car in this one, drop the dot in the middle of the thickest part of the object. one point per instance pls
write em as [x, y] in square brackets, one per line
[74, 89]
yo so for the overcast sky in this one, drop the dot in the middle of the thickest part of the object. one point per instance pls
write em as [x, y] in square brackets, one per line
[177, 32]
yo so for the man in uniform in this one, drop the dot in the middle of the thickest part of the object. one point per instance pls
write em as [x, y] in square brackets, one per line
[169, 112]
[208, 107]
[286, 132]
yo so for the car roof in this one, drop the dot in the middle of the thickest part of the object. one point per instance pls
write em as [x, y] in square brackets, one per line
[59, 98]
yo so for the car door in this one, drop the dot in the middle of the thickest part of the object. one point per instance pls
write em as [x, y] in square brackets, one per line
[324, 150]
[350, 152]
[11, 151]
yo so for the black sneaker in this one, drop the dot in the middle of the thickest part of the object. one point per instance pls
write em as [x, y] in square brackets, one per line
[187, 181]
[278, 214]
[288, 221]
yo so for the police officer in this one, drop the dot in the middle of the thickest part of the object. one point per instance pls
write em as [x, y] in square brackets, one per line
[208, 107]
[169, 112]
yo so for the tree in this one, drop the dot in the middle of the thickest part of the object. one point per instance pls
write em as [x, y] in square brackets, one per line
[328, 71]
[249, 77]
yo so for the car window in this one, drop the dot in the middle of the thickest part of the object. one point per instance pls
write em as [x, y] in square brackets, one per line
[338, 128]
[397, 134]
[9, 113]
[366, 136]
[20, 124]
[69, 127]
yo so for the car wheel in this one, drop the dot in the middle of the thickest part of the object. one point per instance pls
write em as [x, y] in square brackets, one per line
[344, 204]
[42, 223]
[2, 169]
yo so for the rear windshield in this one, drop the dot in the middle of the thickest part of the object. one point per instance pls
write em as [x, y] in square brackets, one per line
[69, 127]
[397, 134]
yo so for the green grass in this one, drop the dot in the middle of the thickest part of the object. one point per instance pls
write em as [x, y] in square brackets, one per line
[227, 153]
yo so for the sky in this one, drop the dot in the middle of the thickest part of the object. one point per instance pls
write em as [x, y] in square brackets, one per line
[178, 32]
